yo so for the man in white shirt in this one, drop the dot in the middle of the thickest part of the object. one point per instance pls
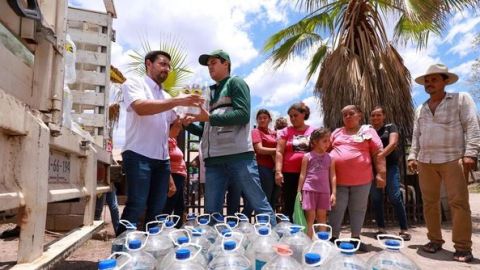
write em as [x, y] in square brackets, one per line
[445, 145]
[146, 162]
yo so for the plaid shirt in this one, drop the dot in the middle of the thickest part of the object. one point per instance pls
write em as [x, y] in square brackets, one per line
[452, 133]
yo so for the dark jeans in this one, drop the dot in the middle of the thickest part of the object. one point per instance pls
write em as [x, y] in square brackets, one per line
[394, 196]
[111, 198]
[176, 203]
[289, 192]
[147, 184]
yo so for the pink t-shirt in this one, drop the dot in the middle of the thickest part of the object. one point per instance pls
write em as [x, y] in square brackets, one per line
[317, 178]
[353, 156]
[177, 164]
[268, 138]
[296, 146]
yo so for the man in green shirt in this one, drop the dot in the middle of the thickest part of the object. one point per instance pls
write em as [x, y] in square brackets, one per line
[226, 141]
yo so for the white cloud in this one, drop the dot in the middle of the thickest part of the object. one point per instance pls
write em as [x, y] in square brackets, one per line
[316, 113]
[462, 23]
[463, 70]
[464, 46]
[283, 86]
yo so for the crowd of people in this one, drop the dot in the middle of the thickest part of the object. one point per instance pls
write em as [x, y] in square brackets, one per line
[333, 169]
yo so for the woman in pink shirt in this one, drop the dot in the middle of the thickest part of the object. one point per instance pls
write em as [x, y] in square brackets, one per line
[264, 142]
[293, 143]
[175, 202]
[355, 149]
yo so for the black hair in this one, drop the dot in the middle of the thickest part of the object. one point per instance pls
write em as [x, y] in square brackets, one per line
[223, 61]
[264, 111]
[153, 55]
[378, 107]
[301, 108]
[281, 123]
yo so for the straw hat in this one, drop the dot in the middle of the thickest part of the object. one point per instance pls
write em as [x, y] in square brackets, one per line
[438, 69]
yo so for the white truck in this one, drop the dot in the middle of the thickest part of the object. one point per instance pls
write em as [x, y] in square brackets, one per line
[42, 161]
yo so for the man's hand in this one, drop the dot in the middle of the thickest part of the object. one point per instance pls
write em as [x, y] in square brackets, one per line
[187, 120]
[413, 166]
[380, 180]
[279, 178]
[469, 163]
[191, 100]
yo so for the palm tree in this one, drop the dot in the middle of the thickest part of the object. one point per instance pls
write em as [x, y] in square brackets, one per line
[358, 64]
[177, 76]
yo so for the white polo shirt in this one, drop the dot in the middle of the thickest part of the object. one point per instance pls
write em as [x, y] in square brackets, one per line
[146, 135]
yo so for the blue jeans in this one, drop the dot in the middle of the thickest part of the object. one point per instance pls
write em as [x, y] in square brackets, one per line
[111, 198]
[243, 177]
[271, 190]
[147, 187]
[394, 196]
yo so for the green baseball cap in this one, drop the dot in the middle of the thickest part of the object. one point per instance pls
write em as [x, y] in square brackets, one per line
[203, 59]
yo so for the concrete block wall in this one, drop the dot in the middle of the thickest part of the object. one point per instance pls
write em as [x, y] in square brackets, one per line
[65, 216]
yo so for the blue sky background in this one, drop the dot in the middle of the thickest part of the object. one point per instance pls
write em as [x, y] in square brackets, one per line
[242, 26]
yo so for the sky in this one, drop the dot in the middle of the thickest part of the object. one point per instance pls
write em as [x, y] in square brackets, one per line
[241, 28]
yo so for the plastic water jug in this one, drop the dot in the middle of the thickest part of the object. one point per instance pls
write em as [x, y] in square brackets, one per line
[199, 238]
[391, 257]
[322, 244]
[191, 220]
[118, 244]
[346, 259]
[157, 245]
[204, 224]
[116, 261]
[297, 241]
[312, 261]
[283, 260]
[261, 250]
[183, 241]
[230, 258]
[264, 219]
[245, 227]
[183, 261]
[217, 247]
[217, 217]
[140, 260]
[283, 226]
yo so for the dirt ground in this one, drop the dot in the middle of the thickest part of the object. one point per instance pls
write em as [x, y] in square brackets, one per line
[98, 248]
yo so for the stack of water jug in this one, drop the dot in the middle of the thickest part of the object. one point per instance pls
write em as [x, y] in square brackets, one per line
[232, 242]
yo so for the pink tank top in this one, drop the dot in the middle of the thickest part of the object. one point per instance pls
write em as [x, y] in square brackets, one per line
[317, 178]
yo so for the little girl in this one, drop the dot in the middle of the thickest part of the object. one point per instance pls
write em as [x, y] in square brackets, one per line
[317, 180]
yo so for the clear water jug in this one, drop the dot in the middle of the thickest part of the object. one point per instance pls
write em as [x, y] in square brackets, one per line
[191, 220]
[283, 225]
[297, 241]
[346, 259]
[116, 261]
[226, 234]
[261, 250]
[391, 257]
[312, 261]
[264, 219]
[283, 260]
[322, 244]
[157, 245]
[118, 244]
[183, 261]
[140, 260]
[204, 224]
[230, 259]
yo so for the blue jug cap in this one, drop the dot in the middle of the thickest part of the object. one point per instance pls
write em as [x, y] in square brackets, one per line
[203, 220]
[229, 245]
[392, 244]
[154, 230]
[262, 218]
[169, 223]
[106, 264]
[191, 216]
[294, 229]
[348, 247]
[231, 223]
[312, 258]
[323, 235]
[182, 254]
[225, 232]
[182, 240]
[263, 230]
[134, 244]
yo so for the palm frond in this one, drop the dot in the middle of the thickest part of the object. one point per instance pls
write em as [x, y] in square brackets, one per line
[316, 60]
